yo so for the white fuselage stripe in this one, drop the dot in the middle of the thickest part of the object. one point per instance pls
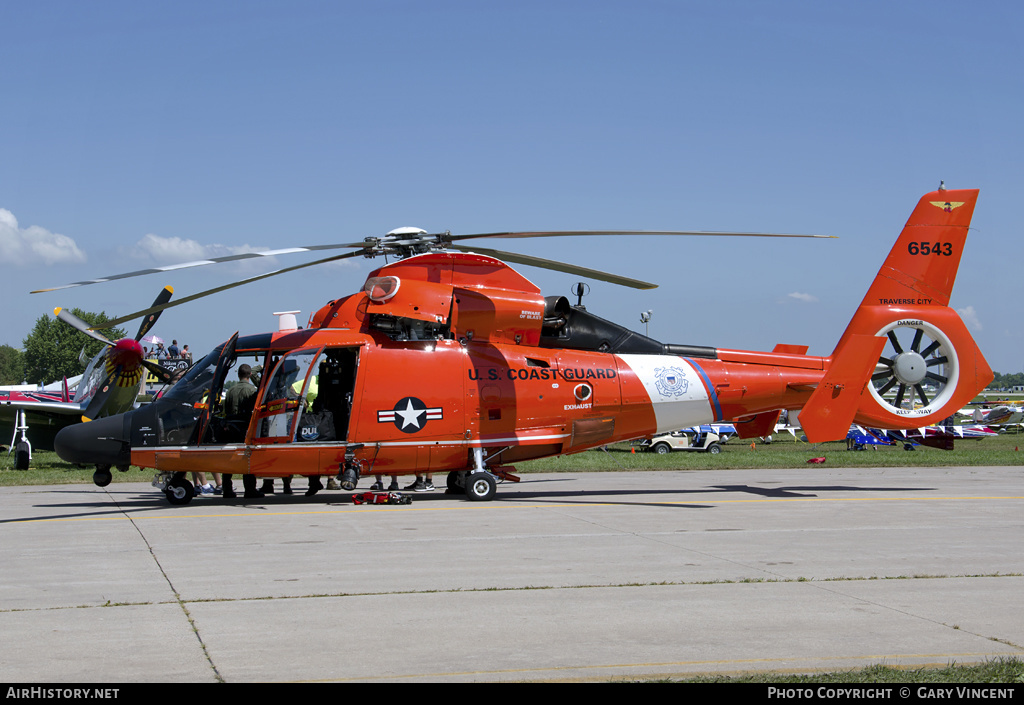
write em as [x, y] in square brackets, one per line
[675, 389]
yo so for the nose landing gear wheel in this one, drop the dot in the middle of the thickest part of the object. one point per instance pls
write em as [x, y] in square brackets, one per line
[102, 477]
[179, 491]
[481, 487]
[22, 458]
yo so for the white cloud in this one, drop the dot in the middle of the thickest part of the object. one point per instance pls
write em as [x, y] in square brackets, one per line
[34, 245]
[970, 317]
[171, 250]
[167, 249]
[158, 250]
[806, 298]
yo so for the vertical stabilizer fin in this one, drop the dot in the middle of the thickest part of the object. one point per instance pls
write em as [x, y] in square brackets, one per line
[926, 365]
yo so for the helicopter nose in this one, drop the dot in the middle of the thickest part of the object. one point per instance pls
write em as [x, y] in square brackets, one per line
[100, 442]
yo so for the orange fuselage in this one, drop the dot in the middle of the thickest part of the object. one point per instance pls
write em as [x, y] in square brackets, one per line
[487, 377]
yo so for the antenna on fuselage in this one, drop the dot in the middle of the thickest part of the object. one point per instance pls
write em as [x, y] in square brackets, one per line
[286, 320]
[581, 289]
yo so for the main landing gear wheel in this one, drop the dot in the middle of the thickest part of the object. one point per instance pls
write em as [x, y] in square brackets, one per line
[102, 476]
[481, 487]
[917, 353]
[179, 491]
[22, 458]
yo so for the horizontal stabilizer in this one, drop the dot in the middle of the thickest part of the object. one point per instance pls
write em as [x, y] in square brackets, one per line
[757, 426]
[827, 415]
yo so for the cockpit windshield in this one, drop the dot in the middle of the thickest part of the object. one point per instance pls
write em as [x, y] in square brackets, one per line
[92, 378]
[196, 383]
[201, 392]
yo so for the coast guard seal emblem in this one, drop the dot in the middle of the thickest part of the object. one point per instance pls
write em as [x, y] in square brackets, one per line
[670, 381]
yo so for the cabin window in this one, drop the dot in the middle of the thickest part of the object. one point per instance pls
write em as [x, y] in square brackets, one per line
[309, 397]
[285, 393]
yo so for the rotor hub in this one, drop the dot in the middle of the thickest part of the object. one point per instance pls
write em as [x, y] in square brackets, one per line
[909, 367]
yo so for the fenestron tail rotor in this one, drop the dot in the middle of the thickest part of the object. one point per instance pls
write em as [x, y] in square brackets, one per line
[917, 367]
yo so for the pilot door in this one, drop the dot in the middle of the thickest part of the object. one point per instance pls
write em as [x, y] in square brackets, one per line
[193, 433]
[306, 403]
[207, 405]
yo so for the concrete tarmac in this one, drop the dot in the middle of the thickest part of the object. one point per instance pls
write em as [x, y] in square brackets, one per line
[590, 576]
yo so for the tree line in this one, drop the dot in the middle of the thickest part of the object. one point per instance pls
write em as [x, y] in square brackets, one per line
[54, 350]
[1006, 381]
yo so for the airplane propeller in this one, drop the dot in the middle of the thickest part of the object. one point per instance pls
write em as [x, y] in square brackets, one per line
[80, 325]
[102, 393]
[147, 325]
[406, 242]
[100, 396]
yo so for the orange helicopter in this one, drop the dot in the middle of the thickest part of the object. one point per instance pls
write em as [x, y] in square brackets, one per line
[449, 361]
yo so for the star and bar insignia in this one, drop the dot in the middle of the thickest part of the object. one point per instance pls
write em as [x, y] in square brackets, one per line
[410, 415]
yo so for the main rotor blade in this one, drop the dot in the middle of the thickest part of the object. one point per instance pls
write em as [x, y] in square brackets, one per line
[147, 324]
[80, 325]
[202, 262]
[405, 241]
[582, 233]
[232, 285]
[557, 266]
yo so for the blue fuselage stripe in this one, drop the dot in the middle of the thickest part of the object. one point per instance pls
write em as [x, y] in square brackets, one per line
[715, 404]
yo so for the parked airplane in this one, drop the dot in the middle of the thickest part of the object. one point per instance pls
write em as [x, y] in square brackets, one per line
[110, 385]
[941, 437]
[999, 415]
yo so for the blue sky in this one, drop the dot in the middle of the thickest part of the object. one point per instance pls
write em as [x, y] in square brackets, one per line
[136, 134]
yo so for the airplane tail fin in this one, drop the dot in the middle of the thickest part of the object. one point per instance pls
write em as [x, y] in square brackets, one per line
[906, 359]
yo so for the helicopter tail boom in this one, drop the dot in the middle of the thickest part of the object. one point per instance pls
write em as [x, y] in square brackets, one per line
[906, 359]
